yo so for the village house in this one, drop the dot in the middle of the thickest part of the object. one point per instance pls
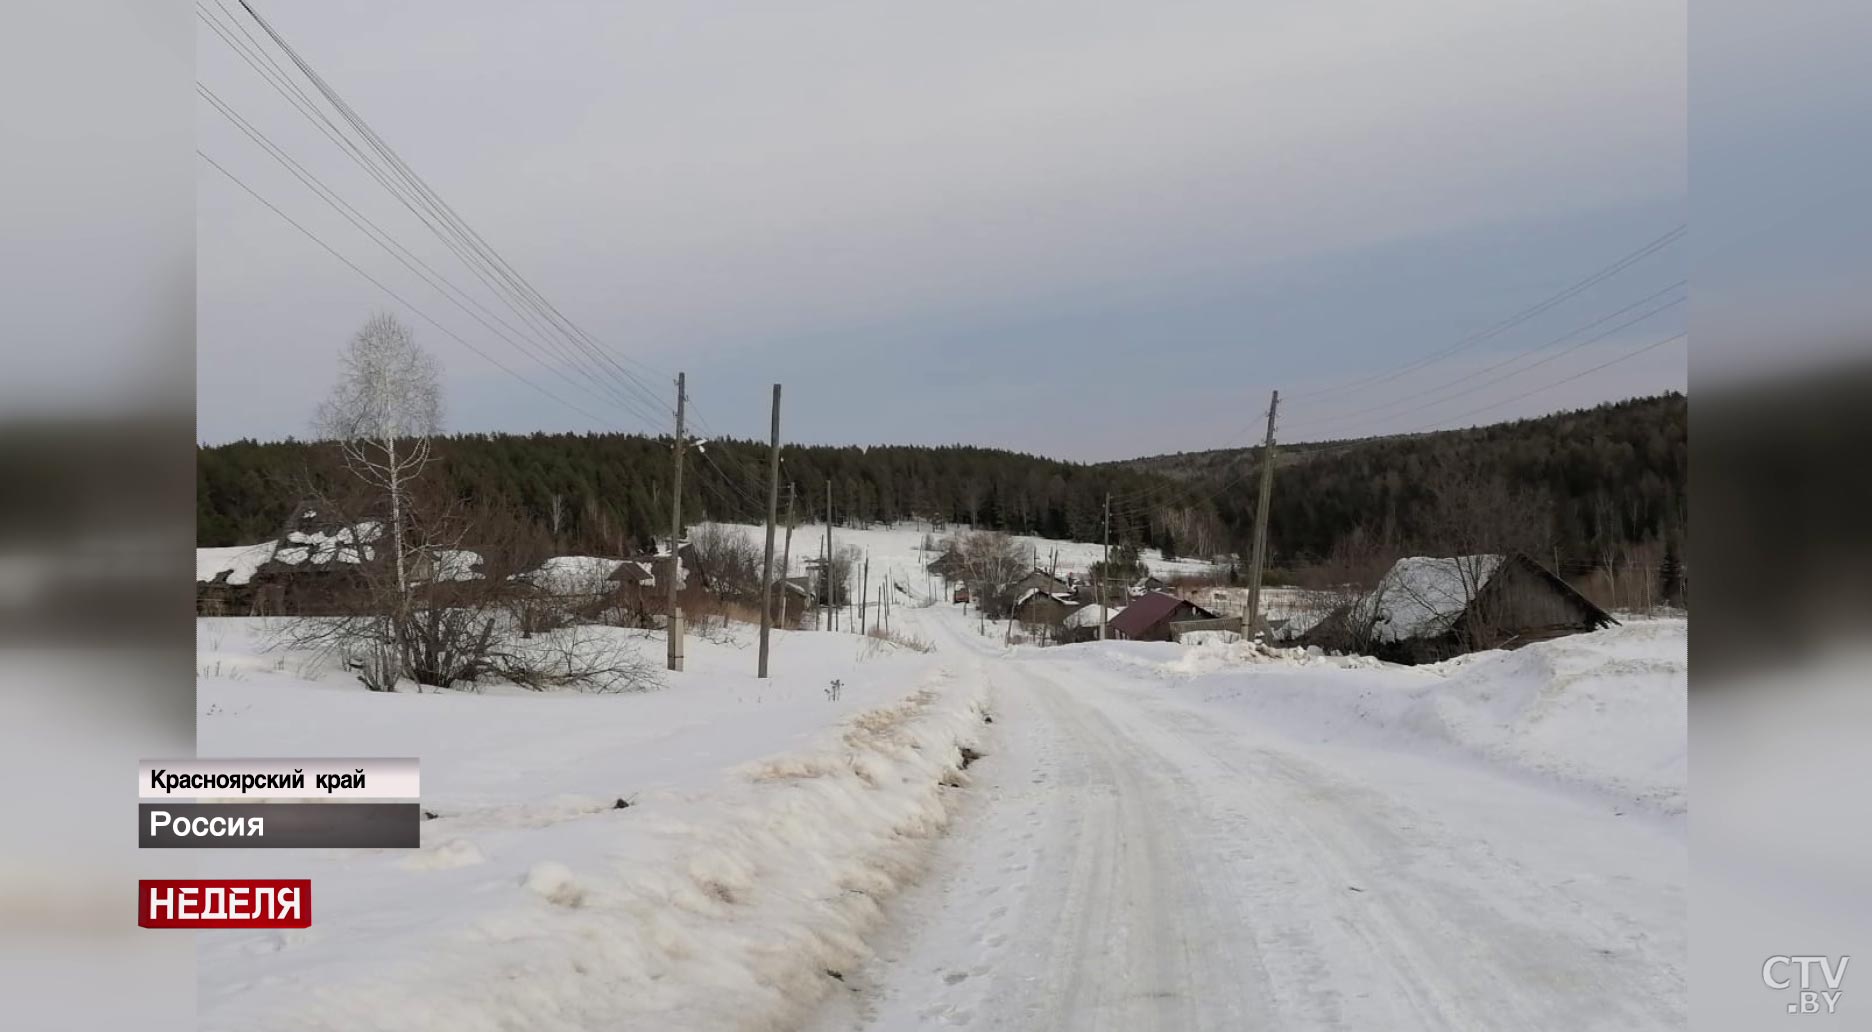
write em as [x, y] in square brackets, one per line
[1083, 624]
[224, 578]
[793, 597]
[1149, 616]
[1426, 609]
[1143, 584]
[1040, 580]
[314, 566]
[947, 566]
[1042, 612]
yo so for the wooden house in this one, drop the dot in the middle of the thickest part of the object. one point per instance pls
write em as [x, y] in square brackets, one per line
[1426, 609]
[1149, 616]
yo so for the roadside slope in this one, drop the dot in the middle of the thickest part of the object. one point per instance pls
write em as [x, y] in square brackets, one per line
[766, 825]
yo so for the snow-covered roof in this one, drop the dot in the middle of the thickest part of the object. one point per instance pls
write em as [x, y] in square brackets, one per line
[237, 561]
[573, 573]
[1422, 596]
[320, 547]
[1089, 616]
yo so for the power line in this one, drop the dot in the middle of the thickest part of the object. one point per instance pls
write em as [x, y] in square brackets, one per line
[442, 219]
[503, 367]
[396, 250]
[310, 110]
[1238, 439]
[1512, 321]
[1570, 379]
[1366, 415]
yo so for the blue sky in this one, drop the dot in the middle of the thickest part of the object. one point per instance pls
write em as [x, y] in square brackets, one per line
[1084, 230]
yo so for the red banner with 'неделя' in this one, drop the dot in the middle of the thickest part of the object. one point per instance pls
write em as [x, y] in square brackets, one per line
[224, 903]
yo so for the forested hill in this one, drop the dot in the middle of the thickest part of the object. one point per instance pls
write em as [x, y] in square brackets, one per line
[1602, 477]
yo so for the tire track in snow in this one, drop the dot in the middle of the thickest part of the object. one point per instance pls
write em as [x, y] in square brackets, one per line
[1201, 875]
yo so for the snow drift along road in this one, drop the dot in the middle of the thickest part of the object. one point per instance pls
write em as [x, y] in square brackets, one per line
[1604, 713]
[720, 905]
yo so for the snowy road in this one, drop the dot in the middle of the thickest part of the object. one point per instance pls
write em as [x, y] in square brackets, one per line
[1132, 860]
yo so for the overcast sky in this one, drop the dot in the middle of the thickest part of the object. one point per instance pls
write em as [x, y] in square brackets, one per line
[1084, 230]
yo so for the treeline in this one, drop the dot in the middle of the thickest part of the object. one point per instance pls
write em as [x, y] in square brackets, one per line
[610, 493]
[1602, 482]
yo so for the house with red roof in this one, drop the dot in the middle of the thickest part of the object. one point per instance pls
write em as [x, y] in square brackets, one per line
[1148, 617]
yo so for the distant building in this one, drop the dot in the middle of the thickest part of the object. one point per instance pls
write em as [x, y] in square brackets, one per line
[1040, 580]
[1082, 624]
[318, 565]
[1149, 616]
[1144, 584]
[948, 566]
[1426, 609]
[1040, 609]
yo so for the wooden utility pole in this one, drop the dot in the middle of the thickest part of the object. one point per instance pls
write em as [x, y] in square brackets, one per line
[831, 593]
[1261, 523]
[675, 537]
[786, 557]
[864, 593]
[773, 511]
[1105, 569]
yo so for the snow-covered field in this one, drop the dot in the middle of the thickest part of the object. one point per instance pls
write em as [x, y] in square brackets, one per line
[1158, 836]
[898, 550]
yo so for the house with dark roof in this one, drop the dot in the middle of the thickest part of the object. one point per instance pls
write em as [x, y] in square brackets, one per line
[1041, 609]
[1426, 609]
[318, 564]
[1148, 617]
[1144, 584]
[1040, 580]
[948, 566]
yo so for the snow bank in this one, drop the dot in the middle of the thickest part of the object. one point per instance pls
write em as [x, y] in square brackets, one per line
[1606, 709]
[1601, 712]
[719, 908]
[1207, 652]
[1201, 653]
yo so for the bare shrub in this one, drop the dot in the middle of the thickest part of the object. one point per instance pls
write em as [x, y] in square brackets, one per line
[714, 618]
[902, 639]
[991, 564]
[581, 657]
[444, 621]
[731, 557]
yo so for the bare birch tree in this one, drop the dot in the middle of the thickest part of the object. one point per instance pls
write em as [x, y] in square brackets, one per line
[383, 411]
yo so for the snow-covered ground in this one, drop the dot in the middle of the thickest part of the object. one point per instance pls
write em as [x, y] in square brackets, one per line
[1158, 836]
[766, 826]
[1601, 712]
[1164, 841]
